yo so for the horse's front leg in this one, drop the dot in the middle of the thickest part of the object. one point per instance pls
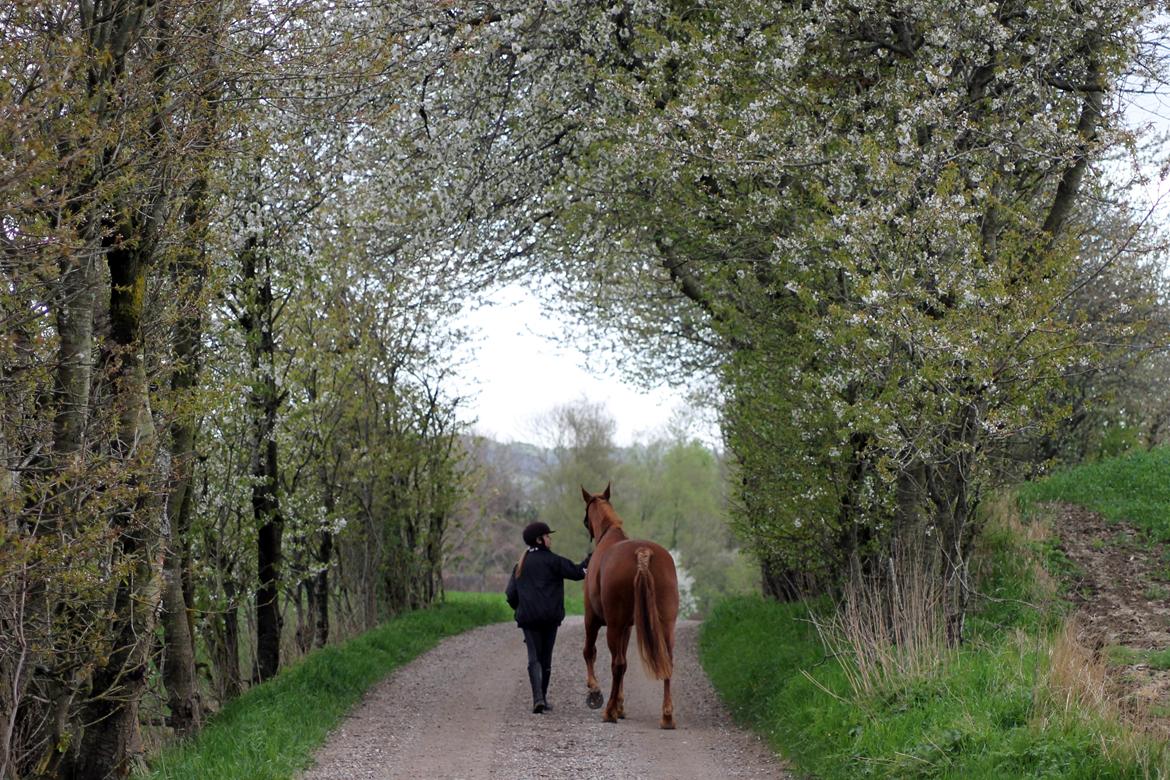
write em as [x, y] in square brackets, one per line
[592, 627]
[621, 691]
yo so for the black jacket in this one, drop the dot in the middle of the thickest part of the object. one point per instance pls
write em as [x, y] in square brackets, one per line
[538, 594]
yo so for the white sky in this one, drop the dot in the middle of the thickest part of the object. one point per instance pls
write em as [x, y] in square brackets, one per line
[514, 373]
[1148, 112]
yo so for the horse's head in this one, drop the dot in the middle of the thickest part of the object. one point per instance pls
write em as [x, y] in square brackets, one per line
[594, 515]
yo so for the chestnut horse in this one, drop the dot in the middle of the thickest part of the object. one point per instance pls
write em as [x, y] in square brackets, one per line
[629, 583]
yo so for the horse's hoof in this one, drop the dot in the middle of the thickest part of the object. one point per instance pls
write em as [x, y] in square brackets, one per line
[594, 700]
[666, 724]
[608, 719]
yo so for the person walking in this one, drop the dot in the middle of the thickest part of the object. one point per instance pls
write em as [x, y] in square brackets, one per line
[536, 590]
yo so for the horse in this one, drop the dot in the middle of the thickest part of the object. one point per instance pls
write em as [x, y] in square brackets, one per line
[629, 582]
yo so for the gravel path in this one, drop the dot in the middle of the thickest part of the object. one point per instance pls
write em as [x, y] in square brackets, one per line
[462, 711]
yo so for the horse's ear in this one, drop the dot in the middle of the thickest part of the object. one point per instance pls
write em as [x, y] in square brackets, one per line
[585, 494]
[605, 495]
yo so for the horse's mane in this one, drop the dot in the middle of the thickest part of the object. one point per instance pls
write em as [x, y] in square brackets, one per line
[610, 519]
[610, 513]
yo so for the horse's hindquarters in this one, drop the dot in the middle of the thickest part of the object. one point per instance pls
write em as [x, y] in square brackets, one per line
[616, 579]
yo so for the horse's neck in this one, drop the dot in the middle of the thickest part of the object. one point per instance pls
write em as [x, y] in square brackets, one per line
[612, 534]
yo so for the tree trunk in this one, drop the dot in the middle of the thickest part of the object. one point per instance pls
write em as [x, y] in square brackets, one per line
[435, 556]
[313, 623]
[781, 583]
[224, 641]
[321, 590]
[268, 547]
[178, 668]
[179, 675]
[954, 511]
[111, 740]
[15, 659]
[74, 373]
[42, 724]
[264, 402]
[17, 586]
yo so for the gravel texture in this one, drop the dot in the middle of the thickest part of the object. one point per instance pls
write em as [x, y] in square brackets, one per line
[462, 710]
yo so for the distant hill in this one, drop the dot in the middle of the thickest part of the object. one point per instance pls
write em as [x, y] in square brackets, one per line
[522, 461]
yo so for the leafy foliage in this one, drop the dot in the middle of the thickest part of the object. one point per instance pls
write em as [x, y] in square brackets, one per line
[226, 378]
[860, 220]
[234, 234]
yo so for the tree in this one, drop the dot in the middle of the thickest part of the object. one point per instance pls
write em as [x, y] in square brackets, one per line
[499, 503]
[1113, 398]
[103, 106]
[581, 451]
[131, 131]
[858, 214]
[676, 494]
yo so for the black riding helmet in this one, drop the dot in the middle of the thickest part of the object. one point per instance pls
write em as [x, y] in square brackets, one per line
[533, 532]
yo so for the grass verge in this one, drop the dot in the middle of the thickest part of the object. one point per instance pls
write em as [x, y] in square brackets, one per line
[1019, 700]
[991, 712]
[271, 731]
[1132, 487]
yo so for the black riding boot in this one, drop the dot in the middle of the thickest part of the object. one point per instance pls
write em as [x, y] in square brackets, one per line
[545, 674]
[535, 675]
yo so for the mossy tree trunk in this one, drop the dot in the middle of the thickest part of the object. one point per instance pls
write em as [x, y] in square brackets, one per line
[257, 320]
[111, 740]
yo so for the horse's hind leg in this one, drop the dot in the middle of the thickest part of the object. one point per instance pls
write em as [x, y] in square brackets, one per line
[592, 626]
[617, 641]
[667, 721]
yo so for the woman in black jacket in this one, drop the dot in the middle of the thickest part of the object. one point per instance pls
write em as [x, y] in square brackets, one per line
[537, 592]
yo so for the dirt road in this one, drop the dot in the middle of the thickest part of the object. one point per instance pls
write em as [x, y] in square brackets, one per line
[463, 711]
[1123, 613]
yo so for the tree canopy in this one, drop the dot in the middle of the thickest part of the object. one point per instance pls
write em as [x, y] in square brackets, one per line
[880, 234]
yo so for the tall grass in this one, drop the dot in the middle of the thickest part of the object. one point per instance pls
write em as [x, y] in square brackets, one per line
[270, 732]
[891, 625]
[1004, 709]
[1075, 682]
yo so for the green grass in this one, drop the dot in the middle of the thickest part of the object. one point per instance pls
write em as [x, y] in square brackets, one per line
[978, 718]
[574, 598]
[271, 731]
[1134, 487]
[988, 712]
[1121, 655]
[994, 709]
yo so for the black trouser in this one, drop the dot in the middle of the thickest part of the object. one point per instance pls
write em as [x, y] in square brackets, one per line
[540, 641]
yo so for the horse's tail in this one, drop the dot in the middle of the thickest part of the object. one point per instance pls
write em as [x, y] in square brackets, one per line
[651, 633]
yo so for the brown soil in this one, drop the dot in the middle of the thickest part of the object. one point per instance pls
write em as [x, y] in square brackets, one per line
[463, 711]
[1123, 601]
